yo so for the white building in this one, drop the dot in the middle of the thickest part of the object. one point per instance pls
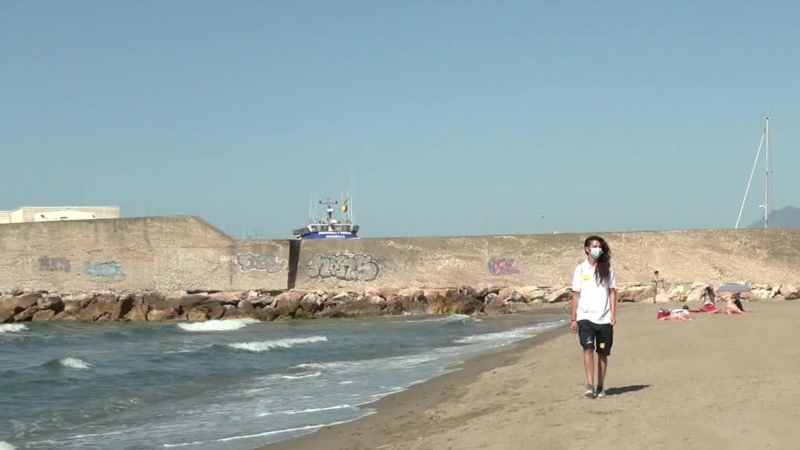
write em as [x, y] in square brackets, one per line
[51, 213]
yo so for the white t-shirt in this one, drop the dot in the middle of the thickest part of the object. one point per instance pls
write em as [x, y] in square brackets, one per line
[594, 303]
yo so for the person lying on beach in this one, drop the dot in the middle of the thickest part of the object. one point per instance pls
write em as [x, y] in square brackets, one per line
[681, 314]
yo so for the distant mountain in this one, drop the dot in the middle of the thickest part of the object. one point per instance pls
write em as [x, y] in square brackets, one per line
[788, 217]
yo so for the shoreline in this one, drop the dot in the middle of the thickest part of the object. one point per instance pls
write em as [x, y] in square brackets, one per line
[417, 398]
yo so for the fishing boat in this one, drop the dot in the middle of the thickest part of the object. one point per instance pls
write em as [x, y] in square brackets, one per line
[328, 227]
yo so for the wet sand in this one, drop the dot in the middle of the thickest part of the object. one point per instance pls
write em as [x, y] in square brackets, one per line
[715, 382]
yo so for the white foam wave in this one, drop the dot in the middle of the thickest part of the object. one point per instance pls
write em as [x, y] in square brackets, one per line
[507, 336]
[266, 433]
[300, 377]
[6, 446]
[396, 362]
[306, 411]
[263, 346]
[12, 328]
[446, 319]
[73, 363]
[217, 325]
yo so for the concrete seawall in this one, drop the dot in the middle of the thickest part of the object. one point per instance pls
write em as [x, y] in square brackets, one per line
[160, 253]
[187, 253]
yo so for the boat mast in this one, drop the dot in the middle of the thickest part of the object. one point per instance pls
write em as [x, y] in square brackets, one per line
[764, 136]
[766, 175]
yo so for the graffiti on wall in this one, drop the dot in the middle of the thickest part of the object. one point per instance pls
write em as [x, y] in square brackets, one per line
[347, 267]
[264, 262]
[103, 269]
[54, 264]
[502, 266]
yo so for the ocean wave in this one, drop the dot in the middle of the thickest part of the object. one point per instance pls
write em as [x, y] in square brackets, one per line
[395, 362]
[293, 412]
[266, 433]
[452, 318]
[263, 346]
[6, 446]
[67, 363]
[217, 325]
[509, 336]
[12, 328]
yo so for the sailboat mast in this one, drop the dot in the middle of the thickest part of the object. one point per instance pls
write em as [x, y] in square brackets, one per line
[766, 175]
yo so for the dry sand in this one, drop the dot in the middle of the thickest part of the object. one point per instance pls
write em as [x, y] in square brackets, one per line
[716, 382]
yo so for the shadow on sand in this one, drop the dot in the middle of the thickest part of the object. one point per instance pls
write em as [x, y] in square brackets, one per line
[626, 389]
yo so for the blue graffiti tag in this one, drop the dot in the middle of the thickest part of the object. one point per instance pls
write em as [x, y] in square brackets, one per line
[106, 269]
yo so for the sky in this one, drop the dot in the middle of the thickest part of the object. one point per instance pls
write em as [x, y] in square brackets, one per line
[442, 117]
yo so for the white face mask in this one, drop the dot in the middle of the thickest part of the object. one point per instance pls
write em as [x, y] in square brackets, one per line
[596, 252]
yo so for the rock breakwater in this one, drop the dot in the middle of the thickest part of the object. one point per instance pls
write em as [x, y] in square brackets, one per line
[306, 304]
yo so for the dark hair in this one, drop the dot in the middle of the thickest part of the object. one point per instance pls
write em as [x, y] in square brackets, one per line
[603, 271]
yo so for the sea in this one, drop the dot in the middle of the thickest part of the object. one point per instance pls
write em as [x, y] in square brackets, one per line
[223, 384]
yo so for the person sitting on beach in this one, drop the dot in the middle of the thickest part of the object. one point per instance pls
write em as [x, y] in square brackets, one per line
[733, 305]
[709, 300]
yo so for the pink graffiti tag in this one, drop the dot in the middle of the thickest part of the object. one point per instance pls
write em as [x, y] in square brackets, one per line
[502, 266]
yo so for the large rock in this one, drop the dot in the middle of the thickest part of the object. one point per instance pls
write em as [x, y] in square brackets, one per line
[359, 308]
[245, 306]
[197, 315]
[138, 311]
[6, 316]
[452, 302]
[532, 294]
[287, 303]
[187, 302]
[43, 315]
[393, 306]
[230, 298]
[412, 300]
[26, 315]
[634, 293]
[789, 292]
[52, 303]
[311, 303]
[494, 305]
[100, 309]
[563, 294]
[158, 315]
[19, 303]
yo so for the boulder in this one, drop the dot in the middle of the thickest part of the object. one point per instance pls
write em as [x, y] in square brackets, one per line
[532, 294]
[122, 308]
[157, 315]
[230, 297]
[287, 303]
[494, 305]
[266, 314]
[393, 307]
[311, 303]
[263, 301]
[359, 308]
[6, 316]
[789, 291]
[152, 298]
[412, 300]
[43, 315]
[197, 314]
[138, 311]
[52, 303]
[634, 293]
[187, 302]
[245, 306]
[26, 315]
[65, 316]
[563, 294]
[19, 303]
[100, 309]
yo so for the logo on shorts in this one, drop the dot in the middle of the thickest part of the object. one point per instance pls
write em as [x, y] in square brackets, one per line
[589, 340]
[602, 345]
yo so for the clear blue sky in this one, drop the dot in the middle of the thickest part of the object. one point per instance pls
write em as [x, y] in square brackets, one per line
[455, 117]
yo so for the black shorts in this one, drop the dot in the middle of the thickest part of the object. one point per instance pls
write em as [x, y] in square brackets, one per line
[596, 336]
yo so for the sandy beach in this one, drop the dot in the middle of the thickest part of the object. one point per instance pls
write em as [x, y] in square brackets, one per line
[715, 382]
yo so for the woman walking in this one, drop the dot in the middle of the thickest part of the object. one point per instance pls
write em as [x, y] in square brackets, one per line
[594, 308]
